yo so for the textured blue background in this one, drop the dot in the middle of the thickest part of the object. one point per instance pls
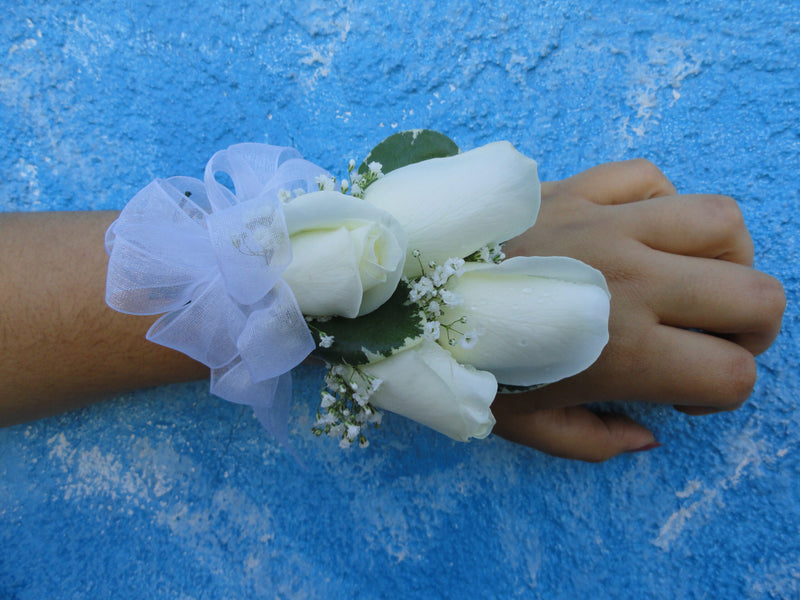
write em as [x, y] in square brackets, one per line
[171, 493]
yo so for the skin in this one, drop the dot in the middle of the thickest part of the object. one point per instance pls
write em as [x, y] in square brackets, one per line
[688, 313]
[62, 347]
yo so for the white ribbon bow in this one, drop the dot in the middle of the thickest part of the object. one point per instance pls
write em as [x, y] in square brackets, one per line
[212, 259]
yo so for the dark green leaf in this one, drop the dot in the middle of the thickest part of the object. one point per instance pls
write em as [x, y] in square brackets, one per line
[408, 147]
[382, 332]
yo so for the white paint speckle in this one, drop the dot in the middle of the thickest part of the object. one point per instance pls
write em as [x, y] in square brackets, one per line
[314, 57]
[691, 488]
[669, 63]
[26, 45]
[678, 520]
[743, 451]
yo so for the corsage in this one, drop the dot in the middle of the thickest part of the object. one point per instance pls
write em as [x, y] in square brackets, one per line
[393, 275]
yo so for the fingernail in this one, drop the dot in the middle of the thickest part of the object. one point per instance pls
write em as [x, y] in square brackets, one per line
[649, 446]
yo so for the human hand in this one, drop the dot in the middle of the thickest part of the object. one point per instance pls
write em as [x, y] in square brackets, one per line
[688, 311]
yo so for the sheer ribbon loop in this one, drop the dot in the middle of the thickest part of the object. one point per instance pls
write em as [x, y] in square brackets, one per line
[211, 258]
[251, 245]
[232, 382]
[205, 330]
[251, 167]
[270, 398]
[159, 252]
[277, 317]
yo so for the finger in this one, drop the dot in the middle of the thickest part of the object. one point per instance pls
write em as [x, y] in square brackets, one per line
[718, 297]
[573, 432]
[667, 366]
[691, 368]
[620, 182]
[693, 225]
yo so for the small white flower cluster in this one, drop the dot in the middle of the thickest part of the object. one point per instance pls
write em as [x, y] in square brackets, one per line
[344, 409]
[493, 253]
[327, 183]
[325, 340]
[285, 196]
[428, 291]
[358, 182]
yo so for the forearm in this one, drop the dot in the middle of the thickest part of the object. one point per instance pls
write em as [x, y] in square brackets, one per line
[61, 346]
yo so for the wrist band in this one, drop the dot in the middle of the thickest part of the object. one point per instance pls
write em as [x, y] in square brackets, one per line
[394, 276]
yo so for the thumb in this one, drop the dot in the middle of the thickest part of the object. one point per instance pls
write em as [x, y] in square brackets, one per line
[574, 432]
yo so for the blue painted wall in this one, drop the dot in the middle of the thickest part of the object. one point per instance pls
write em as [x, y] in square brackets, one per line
[172, 493]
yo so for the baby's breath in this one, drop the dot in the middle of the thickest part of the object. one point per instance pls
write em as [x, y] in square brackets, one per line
[325, 183]
[428, 291]
[285, 196]
[344, 409]
[469, 339]
[314, 323]
[433, 330]
[359, 181]
[449, 298]
[492, 253]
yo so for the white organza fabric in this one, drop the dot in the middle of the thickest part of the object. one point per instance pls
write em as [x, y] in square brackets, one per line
[211, 258]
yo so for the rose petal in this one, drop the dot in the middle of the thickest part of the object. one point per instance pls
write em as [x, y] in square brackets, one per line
[451, 207]
[425, 384]
[538, 319]
[372, 257]
[324, 273]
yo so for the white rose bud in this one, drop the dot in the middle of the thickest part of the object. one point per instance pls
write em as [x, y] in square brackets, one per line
[347, 255]
[425, 384]
[451, 207]
[538, 319]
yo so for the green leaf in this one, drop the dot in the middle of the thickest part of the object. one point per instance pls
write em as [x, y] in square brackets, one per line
[408, 147]
[393, 326]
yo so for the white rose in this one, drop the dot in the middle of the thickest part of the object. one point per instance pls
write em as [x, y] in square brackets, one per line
[451, 207]
[347, 255]
[537, 319]
[425, 384]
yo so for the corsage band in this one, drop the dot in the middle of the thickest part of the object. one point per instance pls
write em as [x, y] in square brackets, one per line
[393, 275]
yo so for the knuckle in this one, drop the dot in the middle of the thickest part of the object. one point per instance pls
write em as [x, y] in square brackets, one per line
[647, 171]
[741, 379]
[766, 301]
[770, 298]
[724, 212]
